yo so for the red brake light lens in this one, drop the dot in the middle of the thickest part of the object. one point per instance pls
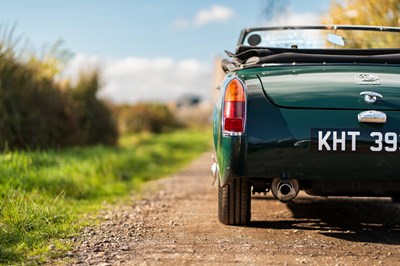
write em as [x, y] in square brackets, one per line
[234, 107]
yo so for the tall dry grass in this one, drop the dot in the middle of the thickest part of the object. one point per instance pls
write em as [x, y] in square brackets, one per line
[37, 111]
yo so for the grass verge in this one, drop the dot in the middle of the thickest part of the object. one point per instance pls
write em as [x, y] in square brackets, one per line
[45, 194]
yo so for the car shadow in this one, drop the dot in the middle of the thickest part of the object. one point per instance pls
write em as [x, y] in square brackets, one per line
[352, 219]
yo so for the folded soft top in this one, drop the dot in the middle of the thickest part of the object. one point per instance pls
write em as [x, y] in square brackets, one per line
[249, 56]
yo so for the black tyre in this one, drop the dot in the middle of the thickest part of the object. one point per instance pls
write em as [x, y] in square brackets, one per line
[234, 202]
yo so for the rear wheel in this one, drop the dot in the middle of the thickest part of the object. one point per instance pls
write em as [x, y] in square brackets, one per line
[234, 202]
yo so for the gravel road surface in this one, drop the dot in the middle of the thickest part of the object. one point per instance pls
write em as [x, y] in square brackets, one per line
[176, 223]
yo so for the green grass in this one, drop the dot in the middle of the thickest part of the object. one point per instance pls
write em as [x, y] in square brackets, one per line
[46, 197]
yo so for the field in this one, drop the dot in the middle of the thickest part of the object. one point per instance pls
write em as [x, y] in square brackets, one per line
[46, 197]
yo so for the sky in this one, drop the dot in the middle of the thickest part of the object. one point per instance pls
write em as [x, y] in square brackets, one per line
[150, 50]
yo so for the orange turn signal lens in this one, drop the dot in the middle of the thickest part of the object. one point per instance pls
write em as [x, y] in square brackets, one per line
[234, 91]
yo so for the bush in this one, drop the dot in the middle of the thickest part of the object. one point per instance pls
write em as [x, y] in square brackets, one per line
[96, 120]
[146, 117]
[35, 112]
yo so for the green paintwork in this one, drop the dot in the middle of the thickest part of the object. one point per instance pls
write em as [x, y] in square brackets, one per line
[277, 133]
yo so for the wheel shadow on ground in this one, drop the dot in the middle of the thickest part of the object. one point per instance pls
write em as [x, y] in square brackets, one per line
[352, 219]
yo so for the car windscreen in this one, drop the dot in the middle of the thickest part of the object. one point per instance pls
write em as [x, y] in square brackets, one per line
[323, 38]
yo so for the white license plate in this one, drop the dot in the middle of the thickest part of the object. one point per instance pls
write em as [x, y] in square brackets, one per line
[354, 140]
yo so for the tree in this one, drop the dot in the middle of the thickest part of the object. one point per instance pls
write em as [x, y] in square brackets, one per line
[365, 12]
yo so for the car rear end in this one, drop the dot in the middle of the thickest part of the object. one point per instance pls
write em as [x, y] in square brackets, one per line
[320, 120]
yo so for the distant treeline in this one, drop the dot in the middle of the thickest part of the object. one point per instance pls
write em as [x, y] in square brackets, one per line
[37, 111]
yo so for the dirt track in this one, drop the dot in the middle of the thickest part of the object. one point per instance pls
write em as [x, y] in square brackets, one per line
[177, 224]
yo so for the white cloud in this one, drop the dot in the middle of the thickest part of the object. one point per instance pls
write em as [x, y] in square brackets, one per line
[135, 79]
[215, 13]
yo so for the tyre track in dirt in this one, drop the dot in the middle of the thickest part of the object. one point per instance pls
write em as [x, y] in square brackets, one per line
[176, 223]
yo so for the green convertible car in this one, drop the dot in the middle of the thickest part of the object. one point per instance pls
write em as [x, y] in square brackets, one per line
[313, 108]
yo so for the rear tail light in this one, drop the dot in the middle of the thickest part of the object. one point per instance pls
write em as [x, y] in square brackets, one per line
[234, 108]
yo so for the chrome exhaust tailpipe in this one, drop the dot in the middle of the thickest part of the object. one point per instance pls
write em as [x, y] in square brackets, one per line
[285, 189]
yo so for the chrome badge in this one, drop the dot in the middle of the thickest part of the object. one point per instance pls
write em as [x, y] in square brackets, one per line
[367, 79]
